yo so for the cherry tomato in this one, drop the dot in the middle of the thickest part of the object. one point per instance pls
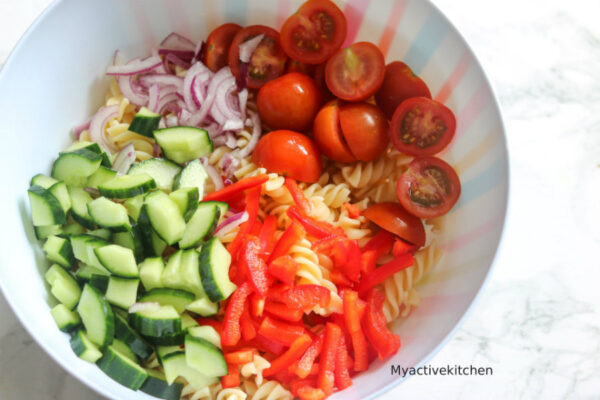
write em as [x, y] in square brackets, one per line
[314, 32]
[297, 66]
[267, 61]
[351, 131]
[289, 102]
[428, 188]
[218, 44]
[395, 219]
[400, 83]
[356, 72]
[422, 127]
[289, 153]
[319, 76]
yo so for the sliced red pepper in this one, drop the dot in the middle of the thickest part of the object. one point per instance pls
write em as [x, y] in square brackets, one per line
[218, 325]
[232, 190]
[279, 331]
[375, 327]
[353, 261]
[257, 305]
[314, 228]
[267, 232]
[326, 244]
[238, 202]
[247, 325]
[296, 384]
[352, 319]
[231, 332]
[306, 297]
[256, 228]
[253, 265]
[292, 354]
[401, 247]
[232, 379]
[307, 362]
[339, 254]
[284, 312]
[361, 306]
[252, 204]
[326, 377]
[340, 279]
[381, 243]
[342, 375]
[268, 345]
[240, 357]
[385, 271]
[310, 393]
[353, 210]
[292, 235]
[283, 268]
[301, 201]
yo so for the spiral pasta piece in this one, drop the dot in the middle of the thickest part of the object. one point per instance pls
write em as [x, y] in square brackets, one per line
[268, 390]
[232, 394]
[254, 369]
[206, 393]
[333, 195]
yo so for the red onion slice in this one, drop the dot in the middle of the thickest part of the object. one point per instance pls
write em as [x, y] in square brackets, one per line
[248, 47]
[154, 97]
[231, 223]
[172, 58]
[124, 159]
[135, 67]
[127, 89]
[166, 99]
[149, 306]
[243, 99]
[176, 41]
[218, 79]
[256, 132]
[213, 174]
[194, 71]
[97, 124]
[161, 79]
[80, 128]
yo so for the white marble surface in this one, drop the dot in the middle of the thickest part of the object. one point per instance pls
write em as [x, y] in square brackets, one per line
[538, 323]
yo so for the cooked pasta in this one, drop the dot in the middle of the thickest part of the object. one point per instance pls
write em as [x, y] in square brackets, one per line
[333, 195]
[254, 369]
[268, 390]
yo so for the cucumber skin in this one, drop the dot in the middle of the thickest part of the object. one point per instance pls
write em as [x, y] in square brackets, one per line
[106, 364]
[58, 214]
[130, 337]
[157, 387]
[209, 284]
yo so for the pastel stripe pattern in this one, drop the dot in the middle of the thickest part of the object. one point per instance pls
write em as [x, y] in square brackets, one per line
[354, 11]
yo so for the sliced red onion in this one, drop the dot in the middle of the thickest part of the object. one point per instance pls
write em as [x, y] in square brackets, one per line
[166, 99]
[231, 141]
[219, 78]
[200, 51]
[171, 121]
[135, 67]
[161, 79]
[243, 100]
[124, 159]
[80, 128]
[127, 89]
[248, 47]
[97, 124]
[213, 174]
[184, 116]
[231, 223]
[176, 41]
[241, 80]
[233, 125]
[256, 132]
[172, 58]
[149, 306]
[154, 97]
[214, 130]
[194, 71]
[227, 102]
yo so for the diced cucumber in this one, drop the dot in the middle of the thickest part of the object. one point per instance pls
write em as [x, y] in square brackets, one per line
[91, 146]
[59, 190]
[123, 370]
[109, 214]
[179, 299]
[161, 170]
[122, 292]
[131, 240]
[65, 319]
[187, 321]
[43, 181]
[118, 259]
[85, 273]
[83, 250]
[164, 217]
[187, 200]
[84, 348]
[204, 356]
[63, 286]
[183, 143]
[206, 332]
[175, 365]
[151, 270]
[59, 250]
[223, 208]
[45, 208]
[101, 176]
[100, 282]
[79, 210]
[145, 122]
[44, 231]
[126, 186]
[129, 336]
[72, 227]
[134, 206]
[124, 349]
[192, 176]
[183, 272]
[158, 245]
[97, 316]
[152, 244]
[163, 321]
[201, 226]
[162, 351]
[101, 233]
[203, 306]
[176, 339]
[214, 270]
[156, 385]
[75, 167]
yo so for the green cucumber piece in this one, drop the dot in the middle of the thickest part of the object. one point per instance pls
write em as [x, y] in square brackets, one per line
[201, 226]
[84, 348]
[145, 122]
[207, 333]
[183, 272]
[124, 349]
[187, 200]
[101, 176]
[193, 175]
[100, 282]
[118, 260]
[155, 323]
[223, 208]
[203, 306]
[44, 231]
[131, 240]
[65, 319]
[187, 321]
[204, 357]
[134, 206]
[83, 249]
[182, 143]
[156, 385]
[79, 210]
[175, 365]
[97, 316]
[126, 186]
[108, 214]
[179, 299]
[59, 250]
[63, 286]
[101, 233]
[161, 170]
[125, 333]
[120, 368]
[59, 190]
[164, 216]
[91, 146]
[122, 292]
[75, 167]
[45, 208]
[151, 270]
[42, 180]
[85, 273]
[214, 270]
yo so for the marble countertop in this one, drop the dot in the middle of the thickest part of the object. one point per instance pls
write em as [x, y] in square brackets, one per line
[538, 322]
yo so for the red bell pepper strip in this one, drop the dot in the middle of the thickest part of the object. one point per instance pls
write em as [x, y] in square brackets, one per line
[257, 305]
[232, 379]
[368, 262]
[232, 190]
[401, 247]
[353, 210]
[375, 327]
[340, 279]
[279, 331]
[361, 306]
[352, 319]
[247, 325]
[239, 357]
[252, 204]
[306, 297]
[267, 232]
[253, 265]
[238, 202]
[381, 243]
[342, 375]
[231, 333]
[326, 379]
[310, 393]
[292, 235]
[314, 228]
[306, 363]
[283, 312]
[256, 228]
[283, 268]
[301, 201]
[217, 325]
[292, 354]
[353, 261]
[267, 345]
[385, 271]
[326, 244]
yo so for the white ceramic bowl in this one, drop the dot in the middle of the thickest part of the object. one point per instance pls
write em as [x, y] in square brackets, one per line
[54, 80]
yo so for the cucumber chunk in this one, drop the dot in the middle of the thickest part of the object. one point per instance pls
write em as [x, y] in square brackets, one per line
[122, 292]
[108, 214]
[183, 272]
[84, 348]
[175, 365]
[126, 186]
[91, 146]
[83, 250]
[201, 226]
[151, 270]
[63, 286]
[75, 167]
[161, 170]
[124, 349]
[192, 176]
[179, 299]
[86, 273]
[129, 336]
[101, 176]
[65, 319]
[45, 208]
[204, 356]
[79, 210]
[182, 143]
[214, 270]
[145, 122]
[163, 321]
[164, 216]
[206, 332]
[134, 206]
[44, 231]
[203, 306]
[59, 190]
[187, 200]
[43, 181]
[156, 385]
[123, 370]
[132, 240]
[101, 233]
[99, 282]
[59, 250]
[97, 316]
[118, 260]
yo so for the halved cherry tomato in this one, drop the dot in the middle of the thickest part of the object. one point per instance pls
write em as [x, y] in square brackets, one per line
[217, 46]
[428, 188]
[400, 83]
[314, 32]
[319, 76]
[297, 66]
[395, 219]
[351, 131]
[289, 153]
[356, 72]
[267, 61]
[289, 102]
[422, 127]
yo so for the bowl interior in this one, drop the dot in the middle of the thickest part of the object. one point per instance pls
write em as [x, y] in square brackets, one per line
[54, 80]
